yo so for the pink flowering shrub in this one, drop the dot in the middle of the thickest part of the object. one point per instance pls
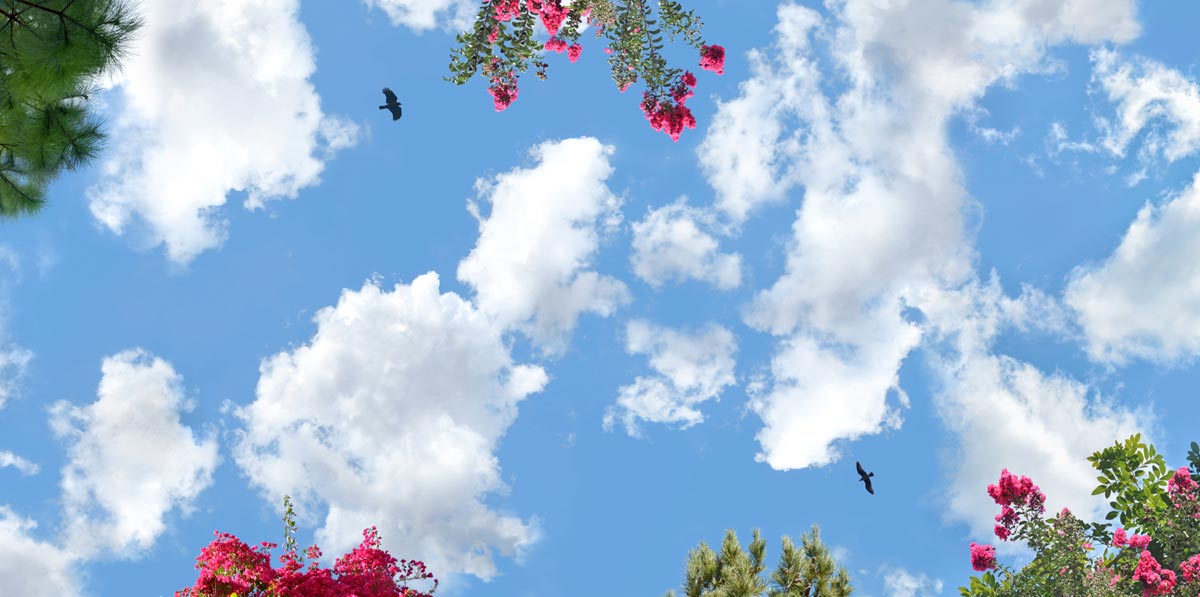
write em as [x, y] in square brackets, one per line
[1162, 558]
[229, 566]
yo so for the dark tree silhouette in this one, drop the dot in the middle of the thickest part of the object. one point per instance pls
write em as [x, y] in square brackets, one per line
[865, 477]
[391, 104]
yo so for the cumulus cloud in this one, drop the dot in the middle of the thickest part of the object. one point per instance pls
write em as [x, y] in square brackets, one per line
[214, 98]
[422, 15]
[115, 491]
[674, 243]
[691, 367]
[1143, 301]
[530, 265]
[391, 415]
[884, 213]
[1008, 414]
[898, 582]
[29, 567]
[1147, 95]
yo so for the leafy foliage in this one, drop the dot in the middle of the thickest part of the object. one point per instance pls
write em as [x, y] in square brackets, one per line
[51, 52]
[1136, 474]
[807, 571]
[1165, 516]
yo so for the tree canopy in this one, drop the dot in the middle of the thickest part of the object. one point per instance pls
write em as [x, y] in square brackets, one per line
[51, 54]
[805, 571]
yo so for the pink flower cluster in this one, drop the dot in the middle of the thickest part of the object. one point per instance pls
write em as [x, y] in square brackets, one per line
[559, 45]
[553, 14]
[1018, 490]
[228, 565]
[713, 58]
[983, 557]
[1015, 490]
[671, 117]
[1181, 482]
[1191, 568]
[506, 10]
[1155, 580]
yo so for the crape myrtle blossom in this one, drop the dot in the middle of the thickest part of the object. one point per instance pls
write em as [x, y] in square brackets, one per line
[501, 45]
[983, 557]
[1155, 579]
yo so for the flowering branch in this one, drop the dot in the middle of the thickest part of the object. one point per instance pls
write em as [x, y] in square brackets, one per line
[501, 47]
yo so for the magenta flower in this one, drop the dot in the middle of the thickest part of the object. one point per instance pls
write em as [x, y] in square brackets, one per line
[1139, 541]
[983, 557]
[1155, 580]
[1002, 532]
[1181, 482]
[1019, 490]
[668, 118]
[505, 10]
[1191, 568]
[574, 51]
[1119, 538]
[556, 44]
[552, 15]
[713, 58]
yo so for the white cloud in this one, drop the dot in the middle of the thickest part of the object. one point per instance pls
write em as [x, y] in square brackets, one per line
[13, 361]
[1008, 414]
[31, 568]
[215, 98]
[823, 392]
[691, 367]
[116, 492]
[391, 415]
[1146, 91]
[13, 358]
[24, 466]
[673, 242]
[1057, 142]
[529, 267]
[1143, 301]
[457, 15]
[884, 213]
[898, 582]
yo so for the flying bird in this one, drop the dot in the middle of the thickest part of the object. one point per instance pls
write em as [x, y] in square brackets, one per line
[865, 477]
[391, 104]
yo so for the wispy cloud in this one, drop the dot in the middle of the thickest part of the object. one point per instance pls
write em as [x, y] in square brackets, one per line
[691, 367]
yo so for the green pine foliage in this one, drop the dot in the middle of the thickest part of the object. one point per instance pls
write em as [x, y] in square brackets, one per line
[807, 570]
[51, 52]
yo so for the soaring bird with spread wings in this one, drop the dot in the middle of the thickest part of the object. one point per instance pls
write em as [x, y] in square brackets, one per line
[865, 477]
[391, 104]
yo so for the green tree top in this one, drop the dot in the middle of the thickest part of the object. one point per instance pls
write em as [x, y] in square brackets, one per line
[805, 571]
[51, 52]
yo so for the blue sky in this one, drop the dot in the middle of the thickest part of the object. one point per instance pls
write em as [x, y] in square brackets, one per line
[548, 350]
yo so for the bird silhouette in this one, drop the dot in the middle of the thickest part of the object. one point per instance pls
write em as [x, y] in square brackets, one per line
[391, 104]
[865, 477]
